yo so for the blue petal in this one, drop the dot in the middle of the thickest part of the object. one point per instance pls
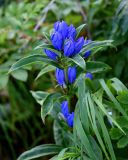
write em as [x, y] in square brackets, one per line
[51, 54]
[79, 44]
[62, 28]
[65, 109]
[71, 32]
[57, 40]
[71, 74]
[69, 47]
[60, 76]
[89, 75]
[70, 119]
[87, 54]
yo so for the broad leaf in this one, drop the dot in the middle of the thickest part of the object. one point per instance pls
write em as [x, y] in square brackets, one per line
[45, 69]
[21, 75]
[40, 151]
[47, 106]
[79, 61]
[79, 29]
[36, 58]
[123, 142]
[96, 45]
[96, 67]
[39, 96]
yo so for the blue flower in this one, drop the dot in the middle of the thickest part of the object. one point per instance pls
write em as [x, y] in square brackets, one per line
[57, 40]
[79, 44]
[60, 76]
[89, 75]
[71, 31]
[69, 47]
[70, 119]
[65, 109]
[62, 28]
[71, 74]
[51, 54]
[87, 53]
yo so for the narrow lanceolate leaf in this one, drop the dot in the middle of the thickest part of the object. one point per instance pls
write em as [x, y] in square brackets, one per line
[118, 85]
[47, 106]
[79, 29]
[96, 67]
[36, 58]
[39, 96]
[101, 106]
[45, 69]
[47, 36]
[92, 116]
[106, 135]
[96, 45]
[40, 151]
[82, 102]
[84, 139]
[112, 98]
[79, 61]
[49, 47]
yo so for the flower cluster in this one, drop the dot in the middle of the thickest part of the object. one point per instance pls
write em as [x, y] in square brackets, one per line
[69, 117]
[64, 39]
[61, 76]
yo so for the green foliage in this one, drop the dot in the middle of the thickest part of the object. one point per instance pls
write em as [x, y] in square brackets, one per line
[96, 133]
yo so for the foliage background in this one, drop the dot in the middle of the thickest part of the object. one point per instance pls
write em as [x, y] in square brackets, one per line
[20, 124]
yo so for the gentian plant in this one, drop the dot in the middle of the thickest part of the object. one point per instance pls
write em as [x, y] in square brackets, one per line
[81, 103]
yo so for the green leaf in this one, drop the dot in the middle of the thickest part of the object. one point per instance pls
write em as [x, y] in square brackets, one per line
[118, 85]
[30, 60]
[79, 29]
[83, 138]
[96, 148]
[47, 36]
[47, 105]
[101, 106]
[123, 142]
[96, 67]
[115, 133]
[106, 135]
[45, 69]
[79, 61]
[122, 121]
[40, 151]
[123, 97]
[92, 116]
[49, 47]
[112, 98]
[96, 45]
[39, 96]
[82, 102]
[21, 75]
[3, 80]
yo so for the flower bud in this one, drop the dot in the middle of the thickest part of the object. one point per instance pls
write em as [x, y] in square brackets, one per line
[89, 75]
[65, 109]
[87, 53]
[51, 54]
[60, 76]
[71, 31]
[71, 74]
[62, 28]
[79, 44]
[57, 40]
[69, 47]
[70, 119]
